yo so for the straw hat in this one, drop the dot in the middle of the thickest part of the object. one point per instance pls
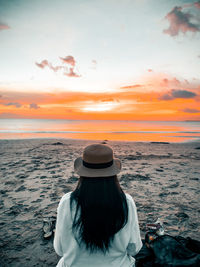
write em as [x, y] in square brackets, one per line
[97, 161]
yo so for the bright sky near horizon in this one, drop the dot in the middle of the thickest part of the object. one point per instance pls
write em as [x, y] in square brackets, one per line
[108, 59]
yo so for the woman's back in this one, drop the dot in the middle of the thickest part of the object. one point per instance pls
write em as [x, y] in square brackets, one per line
[101, 211]
[126, 242]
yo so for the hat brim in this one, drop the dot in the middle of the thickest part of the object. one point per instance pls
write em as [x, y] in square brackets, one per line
[81, 170]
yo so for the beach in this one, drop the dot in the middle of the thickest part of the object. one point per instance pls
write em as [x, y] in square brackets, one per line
[163, 178]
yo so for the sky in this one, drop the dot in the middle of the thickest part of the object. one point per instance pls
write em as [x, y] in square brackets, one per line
[108, 59]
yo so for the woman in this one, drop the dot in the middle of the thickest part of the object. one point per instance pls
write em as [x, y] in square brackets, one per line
[97, 224]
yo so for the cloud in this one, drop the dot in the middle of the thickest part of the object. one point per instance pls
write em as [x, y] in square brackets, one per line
[180, 22]
[131, 86]
[68, 71]
[108, 100]
[183, 94]
[9, 115]
[94, 61]
[191, 110]
[186, 81]
[94, 64]
[197, 4]
[45, 63]
[71, 73]
[176, 81]
[69, 60]
[173, 82]
[33, 106]
[165, 81]
[166, 97]
[120, 104]
[173, 94]
[16, 104]
[4, 26]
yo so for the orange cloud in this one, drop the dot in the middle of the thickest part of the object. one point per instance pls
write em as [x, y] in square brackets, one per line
[34, 106]
[191, 110]
[128, 105]
[16, 104]
[148, 100]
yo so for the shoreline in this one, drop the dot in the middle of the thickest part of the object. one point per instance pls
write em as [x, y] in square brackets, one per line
[194, 140]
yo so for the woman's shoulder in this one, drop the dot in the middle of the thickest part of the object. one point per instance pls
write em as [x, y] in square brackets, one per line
[65, 199]
[129, 199]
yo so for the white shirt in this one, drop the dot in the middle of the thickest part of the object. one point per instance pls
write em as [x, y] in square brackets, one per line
[126, 242]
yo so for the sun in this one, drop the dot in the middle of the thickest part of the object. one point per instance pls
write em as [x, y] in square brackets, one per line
[99, 107]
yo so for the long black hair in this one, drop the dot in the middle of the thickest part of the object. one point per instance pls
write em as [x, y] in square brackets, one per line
[101, 211]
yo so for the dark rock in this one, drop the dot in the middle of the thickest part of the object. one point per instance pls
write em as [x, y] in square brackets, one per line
[58, 144]
[164, 143]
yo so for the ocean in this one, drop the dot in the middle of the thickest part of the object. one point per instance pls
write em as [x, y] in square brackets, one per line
[142, 131]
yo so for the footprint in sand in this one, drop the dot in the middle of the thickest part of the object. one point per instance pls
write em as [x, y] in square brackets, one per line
[159, 170]
[36, 201]
[10, 183]
[43, 177]
[21, 188]
[33, 189]
[174, 185]
[164, 194]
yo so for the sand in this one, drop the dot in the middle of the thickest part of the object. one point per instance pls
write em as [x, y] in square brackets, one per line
[34, 174]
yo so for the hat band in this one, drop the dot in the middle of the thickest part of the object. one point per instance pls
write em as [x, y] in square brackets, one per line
[97, 165]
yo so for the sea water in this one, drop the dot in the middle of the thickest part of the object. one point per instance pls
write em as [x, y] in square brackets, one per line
[142, 131]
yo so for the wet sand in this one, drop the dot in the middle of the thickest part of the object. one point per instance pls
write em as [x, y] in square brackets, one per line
[163, 179]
